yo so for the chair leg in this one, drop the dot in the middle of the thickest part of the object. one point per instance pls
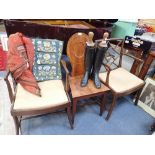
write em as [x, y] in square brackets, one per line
[138, 95]
[69, 116]
[17, 124]
[102, 105]
[111, 107]
[74, 109]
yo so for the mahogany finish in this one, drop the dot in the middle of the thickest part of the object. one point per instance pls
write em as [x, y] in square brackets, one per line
[76, 52]
[80, 92]
[45, 29]
[121, 52]
[147, 64]
[17, 115]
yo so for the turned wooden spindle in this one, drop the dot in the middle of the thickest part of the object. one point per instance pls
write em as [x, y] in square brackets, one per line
[103, 43]
[90, 39]
[105, 35]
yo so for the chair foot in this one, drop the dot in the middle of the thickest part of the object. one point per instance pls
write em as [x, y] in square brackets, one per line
[100, 114]
[107, 118]
[69, 117]
[17, 124]
[74, 110]
[102, 105]
[111, 107]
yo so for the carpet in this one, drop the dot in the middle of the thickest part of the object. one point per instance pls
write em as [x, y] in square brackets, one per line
[127, 119]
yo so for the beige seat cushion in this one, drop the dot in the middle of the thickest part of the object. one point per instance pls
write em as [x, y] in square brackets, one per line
[52, 91]
[120, 80]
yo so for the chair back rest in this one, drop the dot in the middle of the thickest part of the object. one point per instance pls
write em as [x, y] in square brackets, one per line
[113, 56]
[76, 52]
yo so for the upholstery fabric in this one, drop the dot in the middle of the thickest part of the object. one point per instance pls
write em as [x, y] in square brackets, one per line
[20, 60]
[52, 94]
[47, 59]
[120, 80]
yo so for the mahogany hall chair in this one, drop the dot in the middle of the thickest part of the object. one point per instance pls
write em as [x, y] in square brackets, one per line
[75, 53]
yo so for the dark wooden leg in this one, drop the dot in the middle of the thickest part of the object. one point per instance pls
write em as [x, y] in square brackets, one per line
[74, 109]
[69, 116]
[153, 127]
[102, 105]
[17, 125]
[138, 95]
[111, 107]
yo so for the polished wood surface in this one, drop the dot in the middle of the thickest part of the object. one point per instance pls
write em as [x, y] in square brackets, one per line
[121, 51]
[76, 52]
[147, 64]
[19, 114]
[79, 92]
[64, 23]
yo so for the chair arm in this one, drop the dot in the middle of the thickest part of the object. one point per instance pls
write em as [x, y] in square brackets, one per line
[131, 56]
[67, 75]
[65, 66]
[11, 94]
[109, 39]
[108, 69]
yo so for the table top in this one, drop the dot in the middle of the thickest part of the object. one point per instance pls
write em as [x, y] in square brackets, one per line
[88, 91]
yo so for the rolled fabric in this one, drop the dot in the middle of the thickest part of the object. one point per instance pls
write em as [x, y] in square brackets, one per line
[20, 61]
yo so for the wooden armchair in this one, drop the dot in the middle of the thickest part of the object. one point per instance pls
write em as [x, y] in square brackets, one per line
[75, 53]
[120, 81]
[54, 97]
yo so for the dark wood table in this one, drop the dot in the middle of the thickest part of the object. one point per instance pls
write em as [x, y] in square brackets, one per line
[147, 64]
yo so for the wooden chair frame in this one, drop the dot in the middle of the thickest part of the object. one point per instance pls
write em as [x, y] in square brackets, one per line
[108, 69]
[17, 115]
[75, 100]
[76, 53]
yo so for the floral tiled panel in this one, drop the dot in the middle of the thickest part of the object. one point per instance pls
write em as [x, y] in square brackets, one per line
[47, 59]
[47, 72]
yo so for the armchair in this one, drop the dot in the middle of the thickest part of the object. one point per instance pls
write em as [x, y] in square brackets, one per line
[119, 80]
[54, 97]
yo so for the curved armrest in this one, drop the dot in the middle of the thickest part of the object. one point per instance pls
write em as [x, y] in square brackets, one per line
[67, 75]
[11, 94]
[131, 56]
[65, 66]
[108, 69]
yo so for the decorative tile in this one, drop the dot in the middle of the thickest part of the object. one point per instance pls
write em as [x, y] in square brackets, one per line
[47, 59]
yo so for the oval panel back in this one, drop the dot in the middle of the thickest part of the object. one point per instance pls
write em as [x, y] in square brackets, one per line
[76, 52]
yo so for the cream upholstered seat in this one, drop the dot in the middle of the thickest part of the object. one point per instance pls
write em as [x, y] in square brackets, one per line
[120, 80]
[52, 91]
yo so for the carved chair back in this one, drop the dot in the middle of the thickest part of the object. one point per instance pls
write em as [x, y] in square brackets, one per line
[76, 52]
[115, 53]
[113, 56]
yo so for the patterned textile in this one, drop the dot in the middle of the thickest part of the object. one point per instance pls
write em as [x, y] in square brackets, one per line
[20, 60]
[47, 59]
